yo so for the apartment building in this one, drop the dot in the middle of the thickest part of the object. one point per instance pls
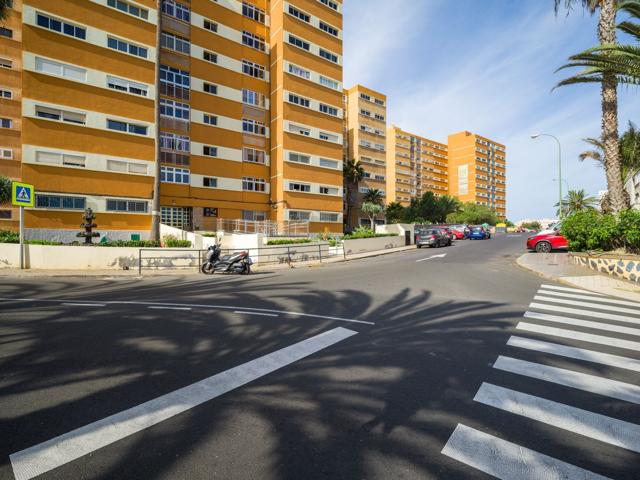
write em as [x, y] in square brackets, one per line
[247, 126]
[477, 170]
[415, 165]
[366, 130]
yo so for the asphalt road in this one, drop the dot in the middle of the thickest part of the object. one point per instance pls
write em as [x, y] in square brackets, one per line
[394, 367]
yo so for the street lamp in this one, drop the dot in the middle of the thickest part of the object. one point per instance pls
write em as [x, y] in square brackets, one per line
[559, 168]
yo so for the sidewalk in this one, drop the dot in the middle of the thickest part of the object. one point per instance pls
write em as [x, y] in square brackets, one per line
[133, 272]
[557, 267]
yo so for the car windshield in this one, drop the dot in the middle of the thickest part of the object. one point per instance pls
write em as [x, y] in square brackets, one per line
[477, 229]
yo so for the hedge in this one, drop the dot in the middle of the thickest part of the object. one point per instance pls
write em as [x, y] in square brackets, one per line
[288, 241]
[593, 230]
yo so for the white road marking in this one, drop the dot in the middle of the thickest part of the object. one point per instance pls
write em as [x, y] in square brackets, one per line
[432, 256]
[506, 460]
[195, 305]
[593, 425]
[84, 304]
[569, 289]
[68, 447]
[570, 378]
[170, 308]
[256, 313]
[588, 297]
[577, 353]
[583, 323]
[585, 313]
[580, 336]
[599, 306]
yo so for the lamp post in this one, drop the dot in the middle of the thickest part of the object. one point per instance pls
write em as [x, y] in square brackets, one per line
[559, 168]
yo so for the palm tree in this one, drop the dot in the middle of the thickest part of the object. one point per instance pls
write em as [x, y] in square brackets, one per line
[371, 210]
[576, 201]
[373, 196]
[446, 205]
[5, 5]
[5, 190]
[353, 175]
[394, 212]
[609, 94]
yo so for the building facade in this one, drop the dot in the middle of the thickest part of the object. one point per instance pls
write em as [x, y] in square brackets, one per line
[246, 125]
[366, 131]
[477, 171]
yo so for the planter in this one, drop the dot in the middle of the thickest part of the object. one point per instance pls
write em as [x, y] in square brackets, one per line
[626, 267]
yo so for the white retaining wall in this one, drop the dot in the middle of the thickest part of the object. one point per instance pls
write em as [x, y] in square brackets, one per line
[362, 245]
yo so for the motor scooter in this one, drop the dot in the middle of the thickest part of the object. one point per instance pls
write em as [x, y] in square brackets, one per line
[239, 262]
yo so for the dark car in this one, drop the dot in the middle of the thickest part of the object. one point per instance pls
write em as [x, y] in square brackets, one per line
[432, 237]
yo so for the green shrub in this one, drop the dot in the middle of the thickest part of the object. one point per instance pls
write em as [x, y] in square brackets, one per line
[592, 230]
[366, 232]
[288, 241]
[129, 243]
[209, 234]
[9, 237]
[42, 242]
[333, 242]
[629, 230]
[171, 241]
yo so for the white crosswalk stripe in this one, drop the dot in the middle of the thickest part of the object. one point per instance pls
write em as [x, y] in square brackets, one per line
[577, 296]
[578, 303]
[585, 313]
[583, 323]
[569, 289]
[580, 336]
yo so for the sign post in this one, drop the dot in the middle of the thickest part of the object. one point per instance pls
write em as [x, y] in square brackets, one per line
[22, 195]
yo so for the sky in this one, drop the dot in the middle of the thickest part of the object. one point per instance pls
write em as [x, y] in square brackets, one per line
[487, 66]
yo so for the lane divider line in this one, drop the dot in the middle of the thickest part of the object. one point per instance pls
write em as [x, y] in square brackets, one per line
[257, 313]
[65, 448]
[170, 308]
[84, 304]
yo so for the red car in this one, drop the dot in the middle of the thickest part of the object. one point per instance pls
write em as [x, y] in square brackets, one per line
[546, 241]
[458, 231]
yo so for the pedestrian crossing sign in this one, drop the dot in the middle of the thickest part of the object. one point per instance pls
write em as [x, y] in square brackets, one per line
[22, 194]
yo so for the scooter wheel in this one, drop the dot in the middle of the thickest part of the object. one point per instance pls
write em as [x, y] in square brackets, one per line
[207, 268]
[247, 270]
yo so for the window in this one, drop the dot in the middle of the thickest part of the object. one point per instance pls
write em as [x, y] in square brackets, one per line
[6, 153]
[210, 151]
[330, 3]
[126, 127]
[210, 56]
[300, 72]
[175, 76]
[210, 88]
[173, 42]
[329, 137]
[176, 10]
[299, 158]
[131, 206]
[299, 215]
[250, 184]
[209, 25]
[379, 102]
[61, 27]
[6, 32]
[58, 201]
[180, 217]
[327, 82]
[366, 97]
[299, 43]
[364, 112]
[253, 69]
[327, 55]
[127, 86]
[127, 47]
[379, 117]
[210, 182]
[299, 14]
[210, 119]
[329, 190]
[60, 115]
[6, 123]
[253, 155]
[254, 215]
[325, 27]
[52, 67]
[254, 41]
[303, 102]
[6, 93]
[172, 141]
[329, 217]
[254, 127]
[174, 175]
[324, 162]
[253, 12]
[253, 98]
[129, 8]
[299, 187]
[124, 167]
[6, 63]
[293, 128]
[172, 109]
[5, 214]
[329, 110]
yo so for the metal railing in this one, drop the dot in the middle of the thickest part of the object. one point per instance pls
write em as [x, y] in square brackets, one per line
[269, 228]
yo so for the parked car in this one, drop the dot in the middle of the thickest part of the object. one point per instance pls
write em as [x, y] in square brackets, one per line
[478, 233]
[459, 231]
[432, 237]
[547, 240]
[448, 230]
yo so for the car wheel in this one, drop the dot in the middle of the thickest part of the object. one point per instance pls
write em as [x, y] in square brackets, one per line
[543, 247]
[419, 246]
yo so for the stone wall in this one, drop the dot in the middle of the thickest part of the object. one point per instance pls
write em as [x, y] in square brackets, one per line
[627, 268]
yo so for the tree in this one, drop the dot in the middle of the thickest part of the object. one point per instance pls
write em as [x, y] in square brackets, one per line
[608, 91]
[445, 205]
[373, 196]
[394, 212]
[535, 225]
[5, 190]
[576, 201]
[473, 214]
[353, 174]
[5, 5]
[509, 223]
[371, 210]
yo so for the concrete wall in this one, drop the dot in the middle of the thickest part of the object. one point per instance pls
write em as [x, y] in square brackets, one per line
[625, 268]
[362, 245]
[69, 236]
[398, 228]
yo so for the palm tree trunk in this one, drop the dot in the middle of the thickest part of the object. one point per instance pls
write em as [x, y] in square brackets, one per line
[609, 94]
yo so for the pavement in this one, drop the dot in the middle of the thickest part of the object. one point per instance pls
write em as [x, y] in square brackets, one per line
[450, 363]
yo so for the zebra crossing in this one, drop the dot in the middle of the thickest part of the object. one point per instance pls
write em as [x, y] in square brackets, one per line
[585, 332]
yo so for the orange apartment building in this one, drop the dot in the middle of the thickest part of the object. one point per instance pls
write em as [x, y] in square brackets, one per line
[366, 130]
[248, 125]
[477, 171]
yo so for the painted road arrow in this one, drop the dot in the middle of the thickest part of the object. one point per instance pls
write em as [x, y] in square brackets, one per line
[432, 256]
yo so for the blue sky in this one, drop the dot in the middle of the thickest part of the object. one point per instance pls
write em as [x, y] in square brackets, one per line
[486, 66]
